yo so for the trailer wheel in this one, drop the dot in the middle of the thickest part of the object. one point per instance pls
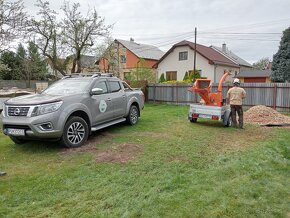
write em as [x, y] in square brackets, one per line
[193, 120]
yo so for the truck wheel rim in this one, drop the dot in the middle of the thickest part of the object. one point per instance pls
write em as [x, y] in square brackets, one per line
[76, 133]
[134, 115]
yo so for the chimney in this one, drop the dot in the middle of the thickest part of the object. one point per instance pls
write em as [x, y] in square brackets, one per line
[131, 39]
[224, 48]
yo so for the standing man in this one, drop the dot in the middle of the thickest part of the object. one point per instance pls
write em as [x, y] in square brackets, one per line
[236, 95]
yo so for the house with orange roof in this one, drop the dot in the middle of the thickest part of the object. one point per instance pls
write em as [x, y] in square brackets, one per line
[127, 55]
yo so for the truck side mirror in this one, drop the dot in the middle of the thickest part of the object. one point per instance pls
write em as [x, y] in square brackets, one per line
[96, 91]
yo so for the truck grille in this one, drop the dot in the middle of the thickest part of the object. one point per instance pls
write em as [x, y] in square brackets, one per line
[18, 111]
[6, 126]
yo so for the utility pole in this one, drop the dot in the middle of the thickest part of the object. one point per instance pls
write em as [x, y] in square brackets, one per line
[194, 61]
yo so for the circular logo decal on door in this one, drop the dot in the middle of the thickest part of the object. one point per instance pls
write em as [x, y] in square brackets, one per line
[103, 106]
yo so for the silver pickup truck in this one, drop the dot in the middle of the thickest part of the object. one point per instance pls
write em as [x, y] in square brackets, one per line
[71, 108]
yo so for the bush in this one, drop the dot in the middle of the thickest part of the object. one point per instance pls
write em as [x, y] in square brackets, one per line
[186, 76]
[162, 78]
[176, 81]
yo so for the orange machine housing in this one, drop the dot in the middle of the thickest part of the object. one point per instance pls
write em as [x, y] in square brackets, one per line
[203, 88]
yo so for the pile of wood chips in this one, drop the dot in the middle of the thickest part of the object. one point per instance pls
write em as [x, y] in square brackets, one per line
[263, 115]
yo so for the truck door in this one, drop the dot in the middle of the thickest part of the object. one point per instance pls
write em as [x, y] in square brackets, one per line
[119, 98]
[101, 105]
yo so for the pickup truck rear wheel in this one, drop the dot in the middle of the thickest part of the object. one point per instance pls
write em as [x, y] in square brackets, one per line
[133, 115]
[75, 133]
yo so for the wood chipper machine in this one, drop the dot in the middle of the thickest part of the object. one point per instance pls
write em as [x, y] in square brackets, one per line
[213, 105]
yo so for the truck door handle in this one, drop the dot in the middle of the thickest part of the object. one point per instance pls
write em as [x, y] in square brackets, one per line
[109, 99]
[124, 96]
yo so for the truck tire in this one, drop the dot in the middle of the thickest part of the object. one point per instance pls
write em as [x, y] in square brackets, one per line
[17, 140]
[133, 115]
[75, 133]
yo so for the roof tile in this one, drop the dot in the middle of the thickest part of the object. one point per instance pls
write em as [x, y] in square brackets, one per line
[207, 52]
[142, 50]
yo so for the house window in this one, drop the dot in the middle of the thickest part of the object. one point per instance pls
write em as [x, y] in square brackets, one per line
[183, 55]
[171, 75]
[123, 59]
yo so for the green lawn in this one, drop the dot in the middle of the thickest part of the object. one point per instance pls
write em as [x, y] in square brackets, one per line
[164, 166]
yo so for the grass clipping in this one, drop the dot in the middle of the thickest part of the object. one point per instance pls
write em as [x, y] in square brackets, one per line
[264, 116]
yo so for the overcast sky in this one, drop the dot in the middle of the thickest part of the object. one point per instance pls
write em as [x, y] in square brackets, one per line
[251, 29]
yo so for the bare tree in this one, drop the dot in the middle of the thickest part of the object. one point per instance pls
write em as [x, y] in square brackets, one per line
[46, 32]
[81, 32]
[262, 63]
[12, 21]
[108, 56]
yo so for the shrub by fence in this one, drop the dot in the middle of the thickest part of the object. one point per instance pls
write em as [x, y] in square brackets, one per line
[275, 95]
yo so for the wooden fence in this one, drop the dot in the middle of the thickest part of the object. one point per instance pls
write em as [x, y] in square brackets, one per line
[275, 95]
[22, 84]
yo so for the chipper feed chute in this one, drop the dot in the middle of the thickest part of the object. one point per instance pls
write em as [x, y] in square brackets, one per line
[203, 88]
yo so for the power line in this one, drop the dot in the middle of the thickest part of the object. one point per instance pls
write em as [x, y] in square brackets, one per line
[215, 34]
[244, 39]
[172, 36]
[249, 26]
[227, 33]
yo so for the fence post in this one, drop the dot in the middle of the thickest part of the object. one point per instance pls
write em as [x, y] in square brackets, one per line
[176, 93]
[154, 90]
[172, 93]
[275, 96]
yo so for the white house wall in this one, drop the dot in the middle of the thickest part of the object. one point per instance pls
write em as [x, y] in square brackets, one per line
[220, 71]
[171, 63]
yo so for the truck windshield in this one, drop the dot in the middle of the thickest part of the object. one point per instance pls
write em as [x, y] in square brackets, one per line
[67, 87]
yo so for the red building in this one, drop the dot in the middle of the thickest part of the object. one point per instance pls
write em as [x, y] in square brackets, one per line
[123, 56]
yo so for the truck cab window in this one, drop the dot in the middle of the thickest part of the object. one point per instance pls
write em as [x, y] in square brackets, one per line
[126, 86]
[114, 86]
[102, 85]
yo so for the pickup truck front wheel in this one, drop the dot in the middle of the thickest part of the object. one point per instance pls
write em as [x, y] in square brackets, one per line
[133, 115]
[17, 140]
[76, 132]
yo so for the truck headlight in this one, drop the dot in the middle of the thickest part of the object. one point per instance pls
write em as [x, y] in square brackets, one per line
[3, 110]
[46, 108]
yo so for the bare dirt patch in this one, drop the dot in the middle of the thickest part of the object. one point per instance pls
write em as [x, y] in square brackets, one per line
[117, 153]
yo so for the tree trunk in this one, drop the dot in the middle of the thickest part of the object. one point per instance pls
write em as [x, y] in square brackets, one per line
[79, 67]
[104, 64]
[73, 69]
[78, 60]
